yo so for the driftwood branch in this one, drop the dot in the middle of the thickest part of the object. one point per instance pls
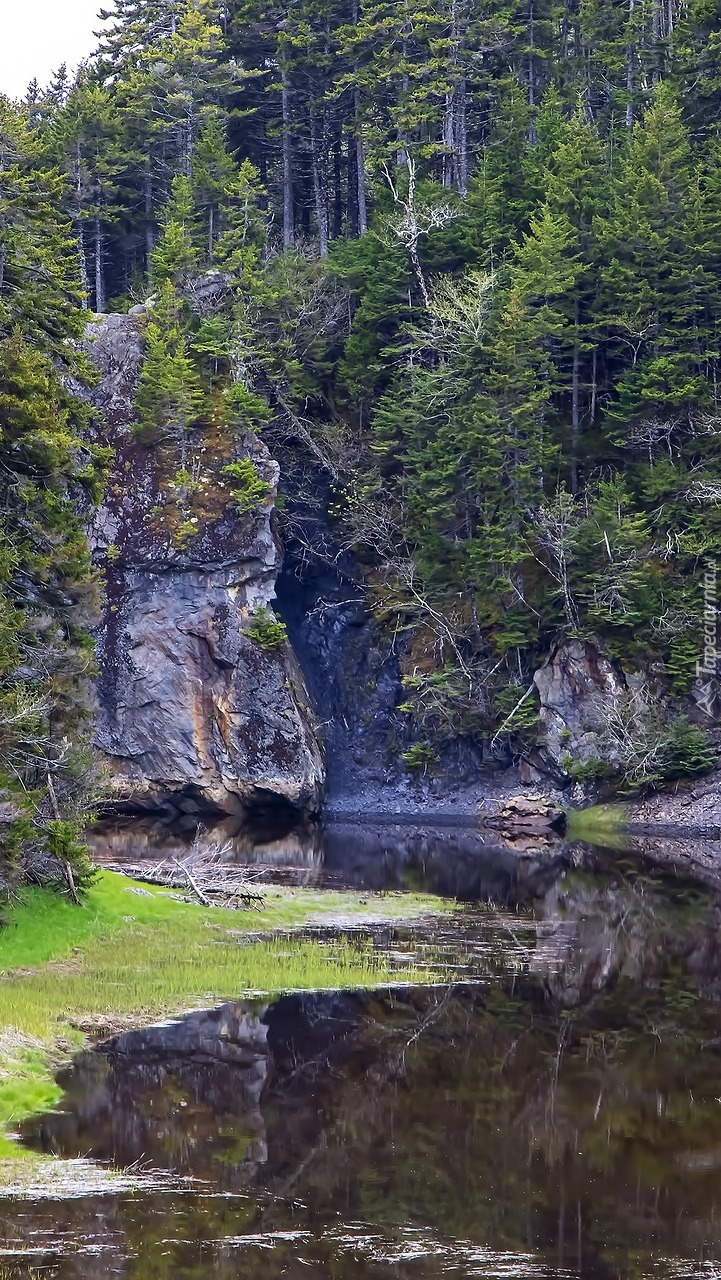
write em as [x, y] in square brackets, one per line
[214, 882]
[193, 883]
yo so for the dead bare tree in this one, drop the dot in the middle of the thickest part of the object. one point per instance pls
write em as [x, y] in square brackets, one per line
[415, 220]
[557, 522]
[206, 872]
[631, 732]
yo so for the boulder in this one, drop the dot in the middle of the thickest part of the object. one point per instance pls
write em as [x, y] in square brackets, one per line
[528, 814]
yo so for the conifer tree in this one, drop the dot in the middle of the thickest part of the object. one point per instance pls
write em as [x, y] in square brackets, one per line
[213, 172]
[48, 474]
[175, 254]
[169, 399]
[648, 287]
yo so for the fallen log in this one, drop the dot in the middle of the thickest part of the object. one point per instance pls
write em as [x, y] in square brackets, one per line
[212, 888]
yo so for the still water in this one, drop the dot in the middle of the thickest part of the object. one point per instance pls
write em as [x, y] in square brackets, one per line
[552, 1110]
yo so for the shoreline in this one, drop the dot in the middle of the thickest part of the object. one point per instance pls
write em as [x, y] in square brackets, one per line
[134, 954]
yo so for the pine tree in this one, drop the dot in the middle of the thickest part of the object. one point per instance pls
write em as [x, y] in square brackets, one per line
[213, 175]
[86, 140]
[169, 399]
[48, 475]
[175, 255]
[648, 287]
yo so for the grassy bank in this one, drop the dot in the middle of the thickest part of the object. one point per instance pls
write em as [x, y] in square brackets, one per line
[136, 952]
[601, 824]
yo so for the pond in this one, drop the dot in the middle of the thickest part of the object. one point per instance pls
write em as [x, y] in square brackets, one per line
[553, 1108]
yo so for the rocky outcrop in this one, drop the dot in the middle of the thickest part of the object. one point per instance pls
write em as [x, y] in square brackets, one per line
[576, 689]
[532, 814]
[194, 711]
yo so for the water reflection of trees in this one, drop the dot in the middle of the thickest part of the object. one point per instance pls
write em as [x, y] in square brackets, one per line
[496, 1120]
[567, 1112]
[590, 1136]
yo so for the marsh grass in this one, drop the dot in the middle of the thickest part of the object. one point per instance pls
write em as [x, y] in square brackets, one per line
[125, 956]
[601, 824]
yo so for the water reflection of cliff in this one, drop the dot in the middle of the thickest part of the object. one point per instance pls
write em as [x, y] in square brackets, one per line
[132, 841]
[183, 1096]
[562, 1119]
[484, 1119]
[471, 862]
[462, 862]
[622, 923]
[600, 916]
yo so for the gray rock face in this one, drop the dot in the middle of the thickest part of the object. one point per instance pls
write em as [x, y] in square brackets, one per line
[192, 710]
[229, 1033]
[576, 689]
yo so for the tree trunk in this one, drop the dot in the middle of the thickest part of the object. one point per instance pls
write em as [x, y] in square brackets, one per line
[83, 260]
[656, 17]
[449, 139]
[360, 171]
[455, 163]
[99, 283]
[592, 414]
[531, 72]
[337, 228]
[629, 68]
[360, 160]
[414, 233]
[187, 135]
[575, 406]
[305, 199]
[402, 155]
[211, 232]
[462, 138]
[319, 192]
[288, 212]
[82, 256]
[149, 229]
[352, 184]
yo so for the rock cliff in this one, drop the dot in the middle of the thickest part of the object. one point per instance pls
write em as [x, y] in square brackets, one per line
[199, 711]
[196, 709]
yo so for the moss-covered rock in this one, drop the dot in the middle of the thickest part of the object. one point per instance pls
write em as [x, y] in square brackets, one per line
[193, 711]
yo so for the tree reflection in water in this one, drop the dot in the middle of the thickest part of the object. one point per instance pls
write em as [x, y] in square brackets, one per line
[563, 1119]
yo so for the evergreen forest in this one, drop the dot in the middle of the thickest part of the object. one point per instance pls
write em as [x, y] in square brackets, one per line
[461, 259]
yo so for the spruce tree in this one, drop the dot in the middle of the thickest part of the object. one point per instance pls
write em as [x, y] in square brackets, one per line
[169, 399]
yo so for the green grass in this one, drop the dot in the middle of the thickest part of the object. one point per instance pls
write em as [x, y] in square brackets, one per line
[601, 824]
[125, 956]
[42, 927]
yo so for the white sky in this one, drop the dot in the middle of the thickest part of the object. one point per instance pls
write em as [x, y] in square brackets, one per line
[36, 36]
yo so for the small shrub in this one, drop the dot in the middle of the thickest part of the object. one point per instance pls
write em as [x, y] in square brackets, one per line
[250, 492]
[184, 482]
[64, 842]
[686, 751]
[245, 406]
[421, 758]
[266, 630]
[592, 770]
[185, 531]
